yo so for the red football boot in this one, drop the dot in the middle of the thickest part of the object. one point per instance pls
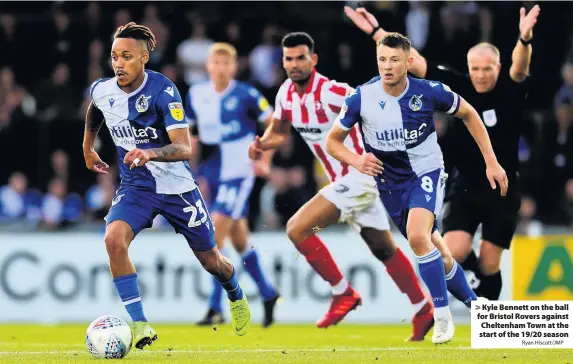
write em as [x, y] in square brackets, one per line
[340, 306]
[422, 322]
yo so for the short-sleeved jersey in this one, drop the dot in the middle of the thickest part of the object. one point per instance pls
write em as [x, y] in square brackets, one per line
[228, 119]
[142, 119]
[400, 130]
[313, 114]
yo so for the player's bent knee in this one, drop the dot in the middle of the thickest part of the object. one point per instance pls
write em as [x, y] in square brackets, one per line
[294, 231]
[115, 244]
[420, 242]
[117, 237]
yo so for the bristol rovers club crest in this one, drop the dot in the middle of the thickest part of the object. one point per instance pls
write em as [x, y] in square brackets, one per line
[142, 103]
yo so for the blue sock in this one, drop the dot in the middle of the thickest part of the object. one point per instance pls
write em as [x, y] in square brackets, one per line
[129, 293]
[251, 260]
[458, 285]
[431, 268]
[234, 291]
[215, 302]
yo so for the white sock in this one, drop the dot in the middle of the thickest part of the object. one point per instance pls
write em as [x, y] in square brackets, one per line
[443, 312]
[418, 306]
[340, 287]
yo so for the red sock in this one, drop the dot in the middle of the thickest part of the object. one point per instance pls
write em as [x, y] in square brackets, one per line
[318, 256]
[402, 272]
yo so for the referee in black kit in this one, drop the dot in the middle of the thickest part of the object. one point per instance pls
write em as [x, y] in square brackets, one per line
[499, 98]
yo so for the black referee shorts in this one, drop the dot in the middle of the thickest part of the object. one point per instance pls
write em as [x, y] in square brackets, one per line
[465, 211]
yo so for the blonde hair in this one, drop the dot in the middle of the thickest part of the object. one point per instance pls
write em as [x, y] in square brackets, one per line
[224, 48]
[485, 47]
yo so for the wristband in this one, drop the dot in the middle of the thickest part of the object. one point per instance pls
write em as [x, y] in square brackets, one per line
[374, 31]
[525, 42]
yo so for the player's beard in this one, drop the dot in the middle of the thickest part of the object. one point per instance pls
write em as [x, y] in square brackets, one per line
[304, 81]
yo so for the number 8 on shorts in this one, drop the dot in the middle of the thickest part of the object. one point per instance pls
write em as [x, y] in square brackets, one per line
[427, 184]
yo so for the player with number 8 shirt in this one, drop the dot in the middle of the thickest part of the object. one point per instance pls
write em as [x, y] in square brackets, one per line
[395, 113]
[309, 102]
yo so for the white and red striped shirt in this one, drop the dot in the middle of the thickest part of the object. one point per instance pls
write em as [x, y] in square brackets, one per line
[313, 114]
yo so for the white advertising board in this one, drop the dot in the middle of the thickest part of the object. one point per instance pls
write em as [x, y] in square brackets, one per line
[64, 277]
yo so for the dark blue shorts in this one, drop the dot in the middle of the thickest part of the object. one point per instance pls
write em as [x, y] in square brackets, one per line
[185, 212]
[427, 192]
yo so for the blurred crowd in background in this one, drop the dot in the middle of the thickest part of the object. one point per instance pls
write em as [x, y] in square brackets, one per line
[52, 52]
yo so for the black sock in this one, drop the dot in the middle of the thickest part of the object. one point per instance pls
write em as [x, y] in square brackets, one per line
[490, 286]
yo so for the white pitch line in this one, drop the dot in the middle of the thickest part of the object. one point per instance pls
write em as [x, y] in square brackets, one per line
[9, 343]
[242, 350]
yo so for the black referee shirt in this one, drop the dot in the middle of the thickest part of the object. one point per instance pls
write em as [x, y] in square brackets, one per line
[501, 111]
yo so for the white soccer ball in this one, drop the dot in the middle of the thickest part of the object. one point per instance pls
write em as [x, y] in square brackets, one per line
[109, 337]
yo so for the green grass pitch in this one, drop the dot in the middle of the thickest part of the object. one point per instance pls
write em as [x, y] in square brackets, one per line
[280, 344]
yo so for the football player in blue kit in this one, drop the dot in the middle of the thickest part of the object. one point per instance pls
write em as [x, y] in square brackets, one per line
[395, 113]
[144, 114]
[225, 113]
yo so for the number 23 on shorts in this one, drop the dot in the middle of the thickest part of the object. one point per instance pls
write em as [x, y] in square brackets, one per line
[195, 210]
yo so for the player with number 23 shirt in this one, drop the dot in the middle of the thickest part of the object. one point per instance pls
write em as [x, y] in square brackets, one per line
[144, 114]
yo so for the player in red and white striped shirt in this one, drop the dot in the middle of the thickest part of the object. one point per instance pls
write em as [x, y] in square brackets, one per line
[310, 102]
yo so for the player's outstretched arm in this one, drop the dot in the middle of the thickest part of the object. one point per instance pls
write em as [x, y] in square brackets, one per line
[368, 23]
[275, 135]
[94, 120]
[263, 163]
[521, 56]
[494, 171]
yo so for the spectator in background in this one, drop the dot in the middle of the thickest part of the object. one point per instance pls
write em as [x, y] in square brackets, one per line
[56, 96]
[122, 17]
[58, 208]
[97, 63]
[342, 64]
[160, 55]
[566, 90]
[66, 43]
[15, 102]
[8, 41]
[528, 223]
[192, 54]
[418, 24]
[265, 58]
[99, 196]
[557, 162]
[234, 36]
[94, 25]
[460, 29]
[60, 163]
[19, 202]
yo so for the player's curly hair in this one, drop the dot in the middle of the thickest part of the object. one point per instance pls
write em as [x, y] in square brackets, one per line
[138, 32]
